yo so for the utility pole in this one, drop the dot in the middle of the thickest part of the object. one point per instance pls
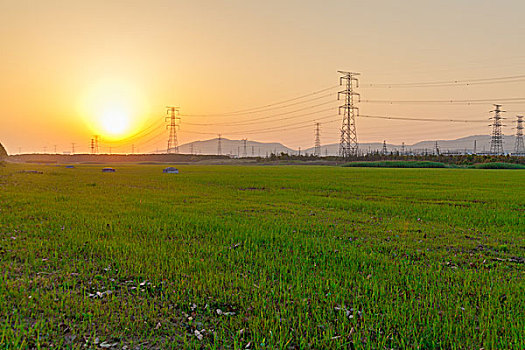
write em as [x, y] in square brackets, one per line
[299, 151]
[496, 141]
[402, 148]
[191, 148]
[92, 146]
[384, 151]
[253, 151]
[475, 146]
[96, 144]
[519, 147]
[55, 146]
[72, 148]
[244, 154]
[219, 146]
[317, 146]
[173, 143]
[436, 149]
[348, 146]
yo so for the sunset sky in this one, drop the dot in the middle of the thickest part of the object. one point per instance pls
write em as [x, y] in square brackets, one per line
[73, 69]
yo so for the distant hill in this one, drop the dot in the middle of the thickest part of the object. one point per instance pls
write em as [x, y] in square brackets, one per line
[254, 148]
[3, 152]
[461, 144]
[234, 147]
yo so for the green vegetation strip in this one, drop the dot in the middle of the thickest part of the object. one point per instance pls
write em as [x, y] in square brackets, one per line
[428, 164]
[261, 257]
[396, 164]
[498, 166]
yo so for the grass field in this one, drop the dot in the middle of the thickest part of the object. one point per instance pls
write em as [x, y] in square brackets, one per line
[261, 257]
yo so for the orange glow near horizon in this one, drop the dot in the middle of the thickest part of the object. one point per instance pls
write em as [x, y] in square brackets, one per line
[75, 69]
[112, 109]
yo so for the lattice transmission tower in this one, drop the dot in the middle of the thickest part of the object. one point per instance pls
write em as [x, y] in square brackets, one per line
[317, 144]
[384, 150]
[496, 140]
[348, 146]
[244, 153]
[519, 147]
[173, 118]
[94, 145]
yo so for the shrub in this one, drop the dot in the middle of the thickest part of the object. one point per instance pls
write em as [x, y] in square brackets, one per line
[397, 164]
[498, 166]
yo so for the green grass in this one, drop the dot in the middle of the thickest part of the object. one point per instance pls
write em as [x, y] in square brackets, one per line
[396, 164]
[261, 257]
[428, 164]
[498, 166]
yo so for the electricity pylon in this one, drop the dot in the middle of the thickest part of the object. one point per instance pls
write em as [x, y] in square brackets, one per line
[317, 145]
[519, 147]
[496, 140]
[173, 143]
[348, 146]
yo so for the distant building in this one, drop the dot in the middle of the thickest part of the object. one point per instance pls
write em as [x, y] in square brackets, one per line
[170, 170]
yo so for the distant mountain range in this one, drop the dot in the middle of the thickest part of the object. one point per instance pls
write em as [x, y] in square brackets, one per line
[254, 148]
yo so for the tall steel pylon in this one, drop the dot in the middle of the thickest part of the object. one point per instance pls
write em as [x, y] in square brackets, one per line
[173, 117]
[496, 141]
[94, 145]
[519, 147]
[384, 151]
[244, 153]
[219, 146]
[317, 144]
[349, 145]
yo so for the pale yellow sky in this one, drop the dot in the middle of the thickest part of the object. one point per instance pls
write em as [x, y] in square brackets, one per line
[67, 64]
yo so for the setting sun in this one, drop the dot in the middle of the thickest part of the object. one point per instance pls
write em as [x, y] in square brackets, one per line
[115, 120]
[112, 109]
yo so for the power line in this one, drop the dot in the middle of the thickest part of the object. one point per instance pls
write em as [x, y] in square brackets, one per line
[422, 119]
[474, 101]
[257, 120]
[253, 109]
[125, 143]
[258, 111]
[272, 129]
[148, 130]
[496, 80]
